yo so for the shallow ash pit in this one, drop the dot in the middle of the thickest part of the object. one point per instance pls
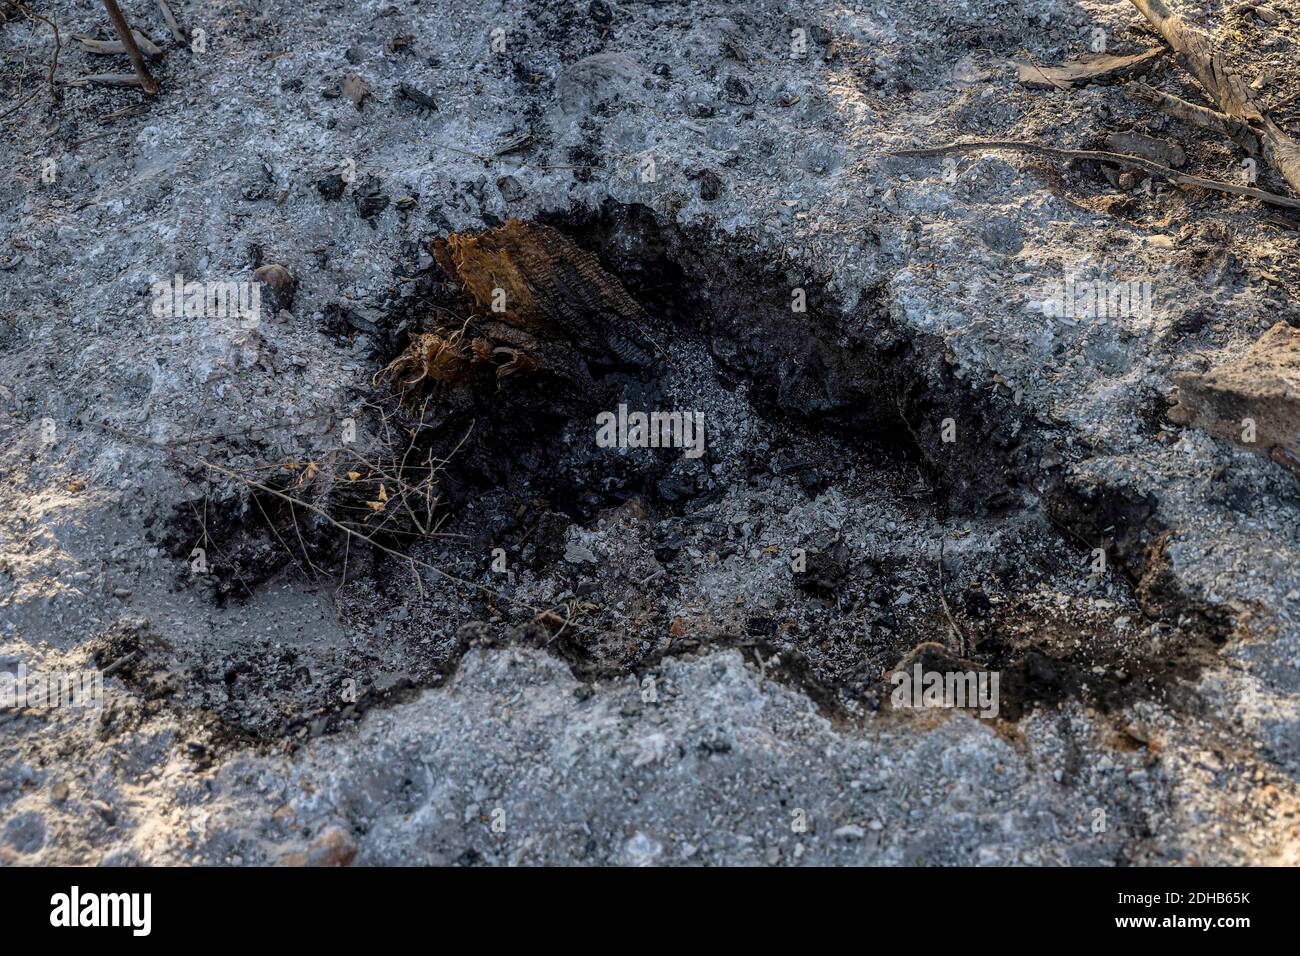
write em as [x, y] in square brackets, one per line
[825, 523]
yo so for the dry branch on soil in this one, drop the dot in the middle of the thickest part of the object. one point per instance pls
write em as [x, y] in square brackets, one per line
[1239, 116]
[107, 79]
[1195, 115]
[1226, 88]
[1123, 159]
[124, 34]
[178, 34]
[108, 47]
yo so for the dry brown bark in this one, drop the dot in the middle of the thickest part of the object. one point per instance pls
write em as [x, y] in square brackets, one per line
[1091, 69]
[177, 33]
[547, 283]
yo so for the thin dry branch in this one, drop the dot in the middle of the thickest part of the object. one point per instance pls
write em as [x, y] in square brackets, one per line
[1122, 159]
[1236, 130]
[147, 82]
[58, 44]
[19, 105]
[177, 33]
[107, 79]
[107, 47]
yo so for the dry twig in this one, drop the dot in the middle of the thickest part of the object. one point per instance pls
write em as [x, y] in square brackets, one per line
[108, 47]
[351, 533]
[19, 105]
[107, 79]
[58, 45]
[147, 82]
[177, 33]
[1122, 159]
[1204, 117]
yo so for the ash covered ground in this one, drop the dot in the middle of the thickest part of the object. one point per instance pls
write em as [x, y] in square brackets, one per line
[635, 656]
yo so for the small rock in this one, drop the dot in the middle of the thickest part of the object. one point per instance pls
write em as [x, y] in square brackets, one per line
[642, 850]
[1129, 180]
[510, 188]
[280, 285]
[1252, 400]
[823, 572]
[369, 198]
[738, 90]
[331, 186]
[400, 43]
[576, 552]
[408, 92]
[1148, 147]
[710, 185]
[200, 756]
